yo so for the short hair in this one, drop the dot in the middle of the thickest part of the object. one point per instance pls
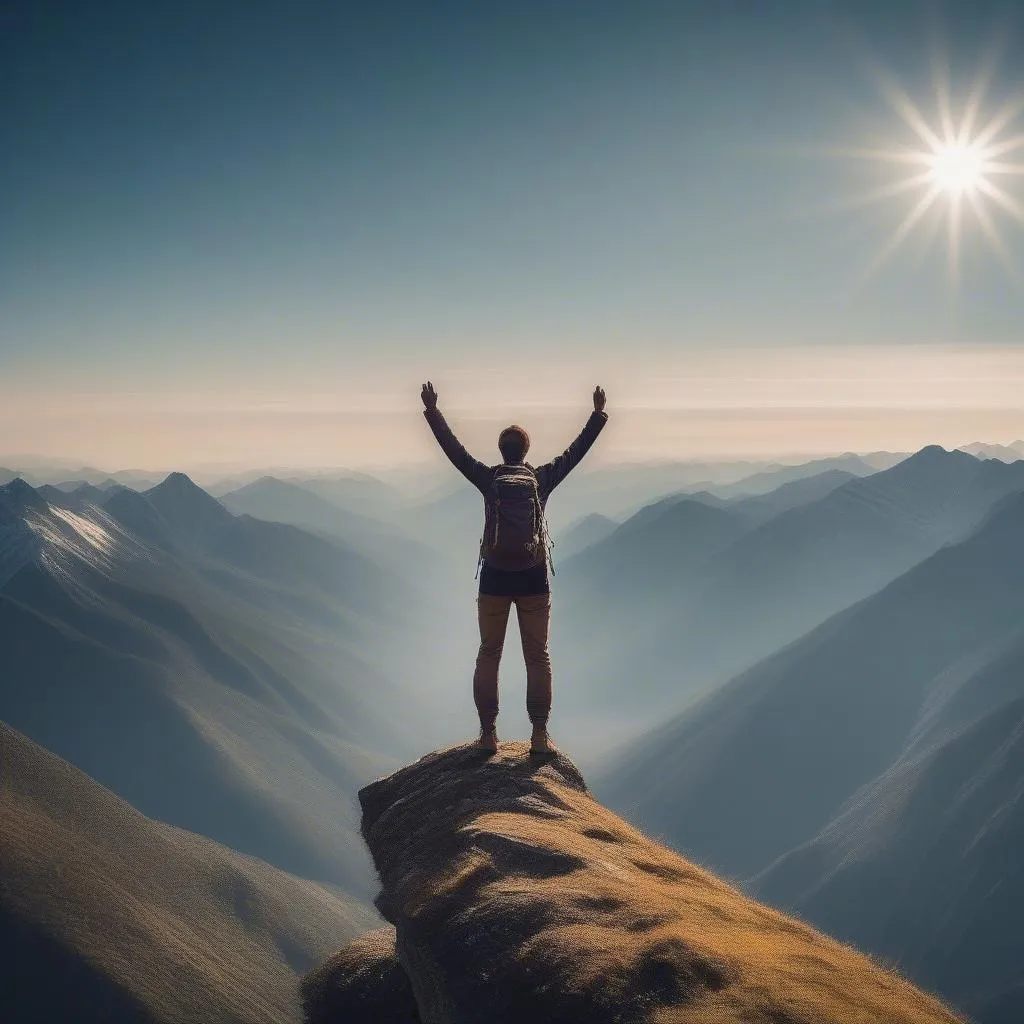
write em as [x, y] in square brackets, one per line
[513, 442]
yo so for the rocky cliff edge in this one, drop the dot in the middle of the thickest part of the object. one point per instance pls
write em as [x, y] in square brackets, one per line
[515, 896]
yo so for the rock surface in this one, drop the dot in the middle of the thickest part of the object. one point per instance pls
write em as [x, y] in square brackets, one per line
[516, 896]
[361, 984]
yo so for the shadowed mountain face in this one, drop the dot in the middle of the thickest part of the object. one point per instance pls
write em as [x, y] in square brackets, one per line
[680, 630]
[112, 916]
[227, 675]
[879, 754]
[936, 840]
[515, 896]
[826, 715]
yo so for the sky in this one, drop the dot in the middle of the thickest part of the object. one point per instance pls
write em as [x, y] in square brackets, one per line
[245, 233]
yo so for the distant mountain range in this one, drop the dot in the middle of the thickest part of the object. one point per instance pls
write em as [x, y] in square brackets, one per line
[679, 601]
[880, 754]
[281, 501]
[228, 675]
[1005, 452]
[582, 533]
[823, 666]
[109, 915]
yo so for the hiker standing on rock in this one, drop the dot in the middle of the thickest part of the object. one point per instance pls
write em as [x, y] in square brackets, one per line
[514, 559]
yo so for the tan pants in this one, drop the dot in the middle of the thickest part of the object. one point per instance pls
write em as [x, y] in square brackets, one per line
[534, 613]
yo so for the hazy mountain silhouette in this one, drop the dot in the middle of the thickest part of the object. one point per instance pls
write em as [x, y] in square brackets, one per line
[936, 842]
[227, 675]
[778, 476]
[774, 582]
[621, 491]
[356, 492]
[582, 533]
[1006, 453]
[636, 570]
[78, 498]
[763, 764]
[280, 501]
[109, 915]
[762, 507]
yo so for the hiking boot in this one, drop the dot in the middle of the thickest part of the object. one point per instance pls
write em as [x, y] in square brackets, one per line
[488, 740]
[540, 741]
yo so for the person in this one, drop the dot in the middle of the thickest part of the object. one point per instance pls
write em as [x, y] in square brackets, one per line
[514, 559]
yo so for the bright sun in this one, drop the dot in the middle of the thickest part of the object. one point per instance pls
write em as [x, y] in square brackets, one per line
[958, 167]
[956, 156]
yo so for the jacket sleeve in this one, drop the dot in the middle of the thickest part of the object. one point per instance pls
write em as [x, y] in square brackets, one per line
[472, 469]
[552, 473]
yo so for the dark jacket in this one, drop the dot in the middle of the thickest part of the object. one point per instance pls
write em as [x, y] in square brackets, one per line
[549, 476]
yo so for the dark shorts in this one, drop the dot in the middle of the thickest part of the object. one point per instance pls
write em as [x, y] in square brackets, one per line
[508, 583]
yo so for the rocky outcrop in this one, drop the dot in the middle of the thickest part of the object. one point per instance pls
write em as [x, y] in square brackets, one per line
[361, 984]
[516, 896]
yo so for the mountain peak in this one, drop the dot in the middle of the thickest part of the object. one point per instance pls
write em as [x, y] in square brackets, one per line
[515, 896]
[177, 481]
[186, 506]
[932, 451]
[17, 496]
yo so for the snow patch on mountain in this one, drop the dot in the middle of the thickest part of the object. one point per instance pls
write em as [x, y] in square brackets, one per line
[68, 540]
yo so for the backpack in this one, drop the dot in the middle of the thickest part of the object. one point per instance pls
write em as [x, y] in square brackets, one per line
[515, 534]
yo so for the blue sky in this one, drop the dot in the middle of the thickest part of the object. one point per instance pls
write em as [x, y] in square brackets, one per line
[248, 231]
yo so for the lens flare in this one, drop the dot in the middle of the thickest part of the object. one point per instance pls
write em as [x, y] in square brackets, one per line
[956, 160]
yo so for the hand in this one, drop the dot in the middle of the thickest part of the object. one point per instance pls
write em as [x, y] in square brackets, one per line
[429, 396]
[599, 399]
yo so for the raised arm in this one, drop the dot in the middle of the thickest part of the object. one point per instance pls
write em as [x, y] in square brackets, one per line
[551, 474]
[472, 469]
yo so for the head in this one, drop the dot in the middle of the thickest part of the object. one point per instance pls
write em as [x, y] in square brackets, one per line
[513, 443]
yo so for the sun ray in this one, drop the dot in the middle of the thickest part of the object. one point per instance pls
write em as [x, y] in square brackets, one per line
[923, 205]
[940, 80]
[1001, 168]
[883, 192]
[902, 155]
[955, 231]
[1002, 118]
[1002, 148]
[1003, 199]
[959, 153]
[998, 36]
[975, 98]
[901, 103]
[868, 198]
[993, 237]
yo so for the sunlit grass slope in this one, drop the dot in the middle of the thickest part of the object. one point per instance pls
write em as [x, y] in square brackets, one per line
[108, 915]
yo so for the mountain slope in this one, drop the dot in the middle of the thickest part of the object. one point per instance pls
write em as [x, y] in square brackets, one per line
[762, 507]
[936, 840]
[280, 501]
[233, 679]
[772, 479]
[582, 533]
[762, 764]
[636, 571]
[783, 578]
[108, 915]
